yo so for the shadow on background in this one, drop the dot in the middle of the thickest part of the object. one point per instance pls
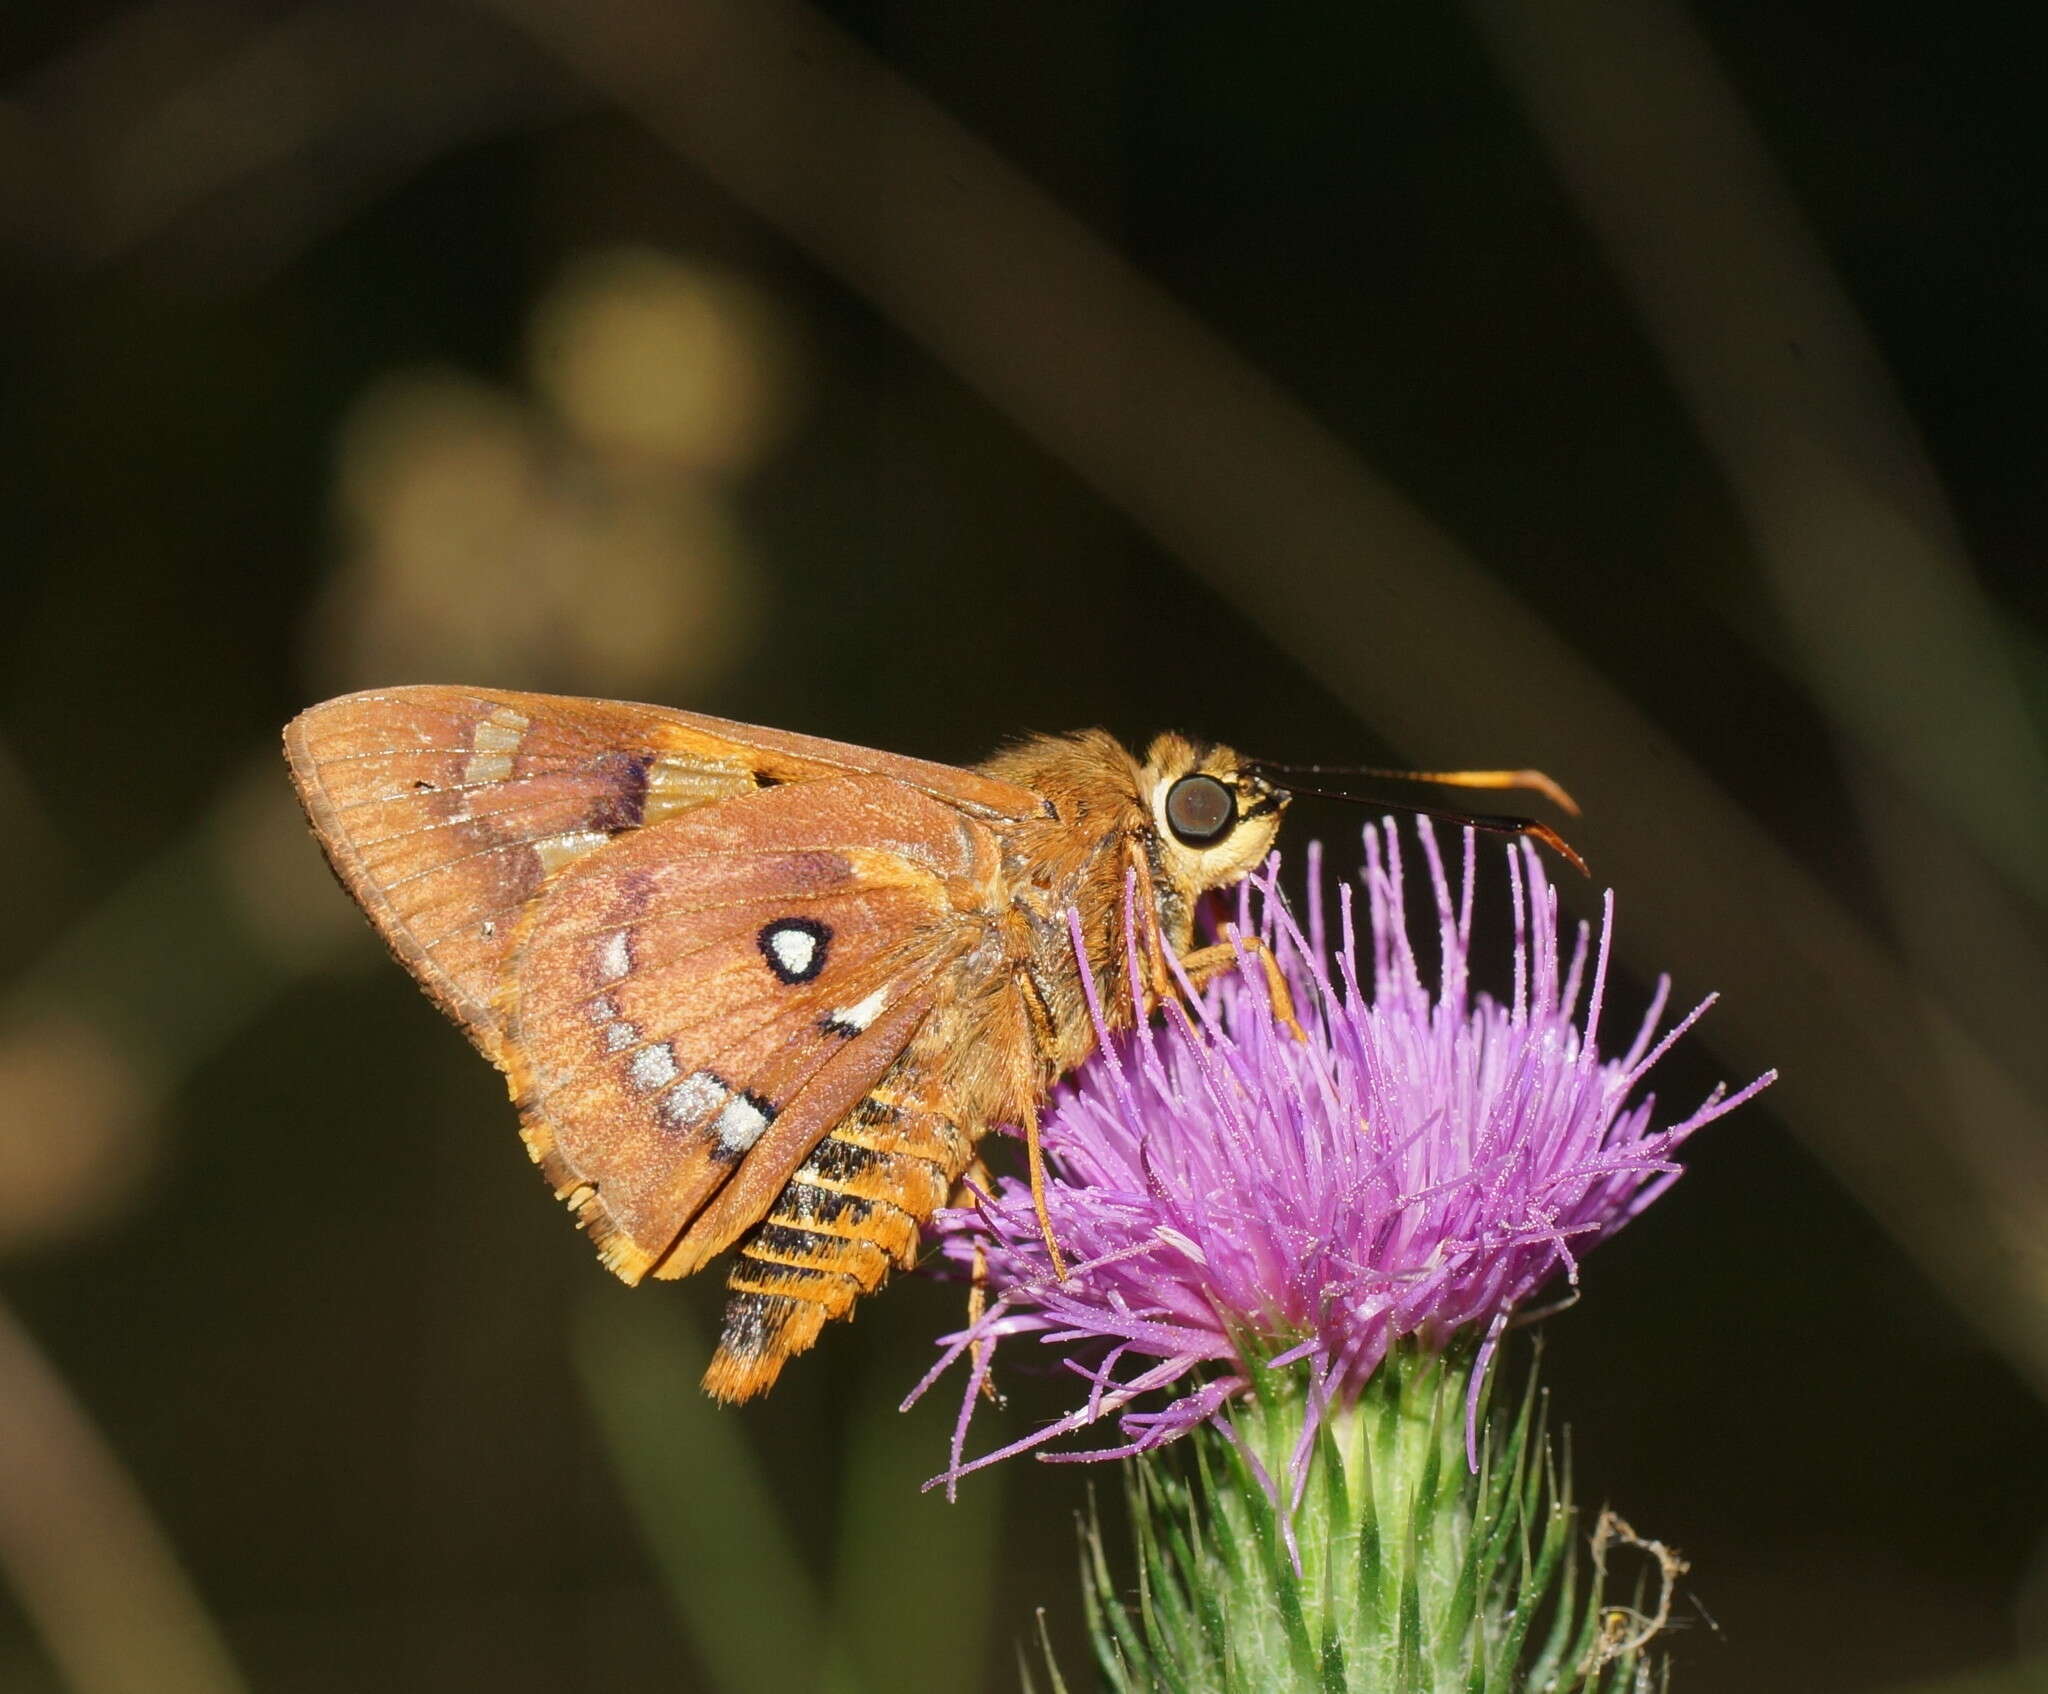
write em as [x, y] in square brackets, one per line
[1644, 394]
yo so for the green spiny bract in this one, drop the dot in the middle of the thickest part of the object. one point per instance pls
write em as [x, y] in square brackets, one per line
[1396, 1569]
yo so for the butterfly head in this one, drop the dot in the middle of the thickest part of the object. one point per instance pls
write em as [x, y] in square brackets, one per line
[1216, 815]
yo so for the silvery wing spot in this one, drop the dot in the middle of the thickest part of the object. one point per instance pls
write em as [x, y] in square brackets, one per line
[741, 1121]
[795, 948]
[848, 1021]
[736, 1117]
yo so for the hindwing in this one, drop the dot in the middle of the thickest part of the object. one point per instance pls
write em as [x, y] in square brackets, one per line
[695, 1007]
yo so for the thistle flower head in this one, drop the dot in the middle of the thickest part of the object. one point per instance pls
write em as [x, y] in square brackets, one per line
[1232, 1199]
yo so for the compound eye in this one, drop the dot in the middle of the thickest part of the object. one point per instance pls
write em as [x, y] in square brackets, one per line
[1199, 810]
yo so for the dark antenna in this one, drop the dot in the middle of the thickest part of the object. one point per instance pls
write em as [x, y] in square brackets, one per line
[1533, 782]
[1493, 823]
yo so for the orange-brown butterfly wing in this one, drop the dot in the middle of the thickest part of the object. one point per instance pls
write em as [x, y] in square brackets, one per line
[695, 1007]
[447, 812]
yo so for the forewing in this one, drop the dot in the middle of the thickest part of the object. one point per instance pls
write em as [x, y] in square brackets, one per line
[694, 1008]
[447, 811]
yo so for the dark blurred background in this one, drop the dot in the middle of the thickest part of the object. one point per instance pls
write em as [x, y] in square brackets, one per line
[1647, 393]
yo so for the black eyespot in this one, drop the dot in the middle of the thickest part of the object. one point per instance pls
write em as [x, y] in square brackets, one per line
[1199, 810]
[795, 948]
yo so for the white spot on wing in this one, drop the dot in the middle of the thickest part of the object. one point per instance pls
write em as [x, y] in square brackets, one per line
[501, 732]
[858, 1016]
[555, 851]
[676, 782]
[795, 949]
[693, 1099]
[615, 958]
[740, 1125]
[493, 745]
[604, 1009]
[653, 1067]
[621, 1035]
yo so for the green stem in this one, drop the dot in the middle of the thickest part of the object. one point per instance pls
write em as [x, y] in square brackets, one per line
[1395, 1569]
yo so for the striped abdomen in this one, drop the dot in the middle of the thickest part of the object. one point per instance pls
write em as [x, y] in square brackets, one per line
[850, 1214]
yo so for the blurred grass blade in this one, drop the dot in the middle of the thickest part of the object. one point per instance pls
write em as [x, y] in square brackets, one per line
[2030, 1676]
[696, 1486]
[912, 1575]
[87, 1563]
[1791, 395]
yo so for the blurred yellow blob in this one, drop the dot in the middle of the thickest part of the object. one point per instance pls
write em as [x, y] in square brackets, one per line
[642, 354]
[77, 1138]
[586, 544]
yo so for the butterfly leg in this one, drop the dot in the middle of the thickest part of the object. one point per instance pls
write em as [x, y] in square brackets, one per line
[1034, 1159]
[977, 1176]
[1153, 967]
[1204, 964]
[1034, 1150]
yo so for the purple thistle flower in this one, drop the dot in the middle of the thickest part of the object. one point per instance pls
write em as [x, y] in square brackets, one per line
[1230, 1197]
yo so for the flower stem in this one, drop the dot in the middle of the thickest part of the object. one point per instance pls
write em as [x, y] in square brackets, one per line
[1363, 1555]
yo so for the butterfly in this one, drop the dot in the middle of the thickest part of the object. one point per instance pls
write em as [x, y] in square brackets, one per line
[755, 989]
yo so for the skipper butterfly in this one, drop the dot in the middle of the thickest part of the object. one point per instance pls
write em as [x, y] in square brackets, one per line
[758, 989]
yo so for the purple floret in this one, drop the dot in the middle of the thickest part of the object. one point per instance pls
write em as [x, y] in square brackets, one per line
[1421, 1166]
